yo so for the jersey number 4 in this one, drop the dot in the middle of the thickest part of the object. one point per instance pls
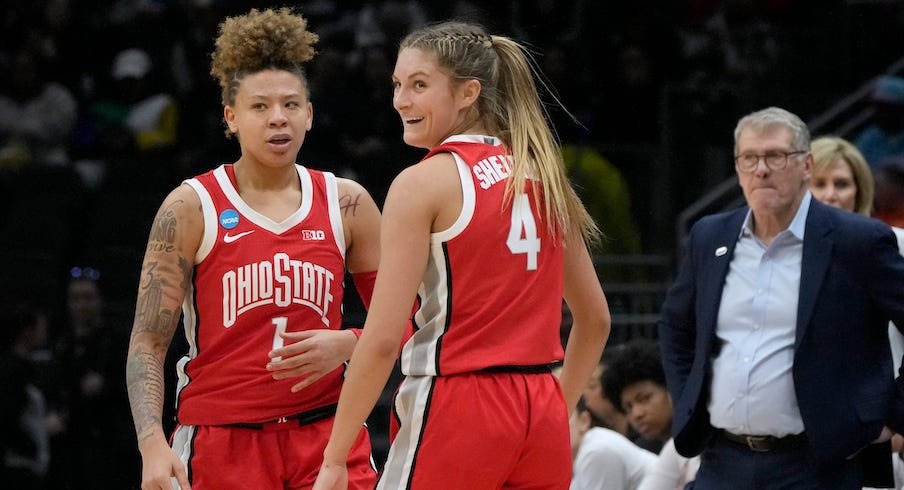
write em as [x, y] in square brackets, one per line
[522, 237]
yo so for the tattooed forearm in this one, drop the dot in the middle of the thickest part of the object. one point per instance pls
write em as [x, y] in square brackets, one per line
[349, 204]
[144, 380]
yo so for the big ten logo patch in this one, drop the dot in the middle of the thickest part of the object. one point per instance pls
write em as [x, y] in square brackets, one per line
[313, 235]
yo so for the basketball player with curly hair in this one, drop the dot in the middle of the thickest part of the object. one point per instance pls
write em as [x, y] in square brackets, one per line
[254, 252]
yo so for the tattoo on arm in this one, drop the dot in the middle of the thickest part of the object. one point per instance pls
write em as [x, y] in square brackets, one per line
[162, 285]
[349, 204]
[163, 230]
[144, 380]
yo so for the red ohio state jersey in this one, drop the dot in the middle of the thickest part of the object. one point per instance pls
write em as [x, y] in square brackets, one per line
[492, 291]
[254, 278]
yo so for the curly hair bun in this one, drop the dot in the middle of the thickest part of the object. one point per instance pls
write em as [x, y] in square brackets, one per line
[262, 39]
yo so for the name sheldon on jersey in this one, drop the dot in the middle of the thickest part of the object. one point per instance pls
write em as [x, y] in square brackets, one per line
[281, 281]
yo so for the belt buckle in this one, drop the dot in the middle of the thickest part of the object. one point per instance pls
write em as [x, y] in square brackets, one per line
[759, 444]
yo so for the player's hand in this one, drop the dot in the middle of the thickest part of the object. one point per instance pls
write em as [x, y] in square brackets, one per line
[332, 477]
[159, 465]
[311, 354]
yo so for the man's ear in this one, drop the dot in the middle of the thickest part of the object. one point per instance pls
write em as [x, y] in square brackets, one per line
[808, 167]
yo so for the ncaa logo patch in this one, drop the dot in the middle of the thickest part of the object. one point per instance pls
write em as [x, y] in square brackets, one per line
[229, 219]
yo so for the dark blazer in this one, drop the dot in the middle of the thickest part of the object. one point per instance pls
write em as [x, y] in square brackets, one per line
[852, 283]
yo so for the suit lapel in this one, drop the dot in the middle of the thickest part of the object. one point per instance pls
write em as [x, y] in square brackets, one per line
[716, 258]
[817, 254]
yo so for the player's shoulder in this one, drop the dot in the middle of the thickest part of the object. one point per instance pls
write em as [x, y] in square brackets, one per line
[428, 185]
[183, 196]
[431, 170]
[349, 186]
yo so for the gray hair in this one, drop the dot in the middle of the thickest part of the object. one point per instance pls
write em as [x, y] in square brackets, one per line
[772, 116]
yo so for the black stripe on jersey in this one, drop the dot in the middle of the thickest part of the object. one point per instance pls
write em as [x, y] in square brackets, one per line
[420, 437]
[194, 300]
[197, 340]
[439, 341]
[394, 412]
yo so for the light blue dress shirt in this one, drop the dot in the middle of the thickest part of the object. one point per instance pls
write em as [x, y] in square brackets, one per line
[752, 386]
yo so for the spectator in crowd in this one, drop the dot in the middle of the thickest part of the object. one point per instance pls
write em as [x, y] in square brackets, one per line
[780, 306]
[131, 119]
[884, 137]
[24, 445]
[635, 383]
[37, 115]
[91, 401]
[637, 379]
[840, 176]
[603, 458]
[600, 409]
[151, 116]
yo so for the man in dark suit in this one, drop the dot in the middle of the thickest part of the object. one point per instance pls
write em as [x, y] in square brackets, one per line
[774, 334]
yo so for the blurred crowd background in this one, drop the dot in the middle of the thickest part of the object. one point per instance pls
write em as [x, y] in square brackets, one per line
[106, 105]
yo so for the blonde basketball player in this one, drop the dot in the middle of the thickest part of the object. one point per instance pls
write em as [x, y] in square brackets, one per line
[489, 236]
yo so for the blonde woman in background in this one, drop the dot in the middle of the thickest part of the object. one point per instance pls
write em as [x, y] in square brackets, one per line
[840, 175]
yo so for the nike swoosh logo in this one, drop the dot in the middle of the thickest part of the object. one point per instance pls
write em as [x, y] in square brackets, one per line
[227, 238]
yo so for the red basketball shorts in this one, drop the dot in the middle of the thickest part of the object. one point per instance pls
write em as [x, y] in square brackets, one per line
[479, 431]
[276, 457]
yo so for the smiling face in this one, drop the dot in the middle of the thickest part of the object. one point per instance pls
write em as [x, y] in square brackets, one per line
[432, 108]
[271, 115]
[835, 185]
[771, 192]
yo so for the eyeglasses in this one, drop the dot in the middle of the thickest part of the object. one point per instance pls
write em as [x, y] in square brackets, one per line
[775, 160]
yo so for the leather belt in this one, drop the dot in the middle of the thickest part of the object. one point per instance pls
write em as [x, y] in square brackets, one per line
[303, 418]
[765, 444]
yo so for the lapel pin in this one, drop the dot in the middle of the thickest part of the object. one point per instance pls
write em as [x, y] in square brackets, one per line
[721, 251]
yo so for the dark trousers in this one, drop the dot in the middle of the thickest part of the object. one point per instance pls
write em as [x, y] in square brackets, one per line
[725, 464]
